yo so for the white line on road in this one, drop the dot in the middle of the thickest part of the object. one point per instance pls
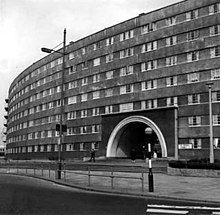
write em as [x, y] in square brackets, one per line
[216, 213]
[185, 207]
[151, 210]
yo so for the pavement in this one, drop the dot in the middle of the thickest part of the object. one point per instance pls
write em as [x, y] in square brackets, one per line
[193, 189]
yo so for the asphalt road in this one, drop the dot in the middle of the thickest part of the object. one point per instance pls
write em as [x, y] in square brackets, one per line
[24, 195]
[28, 196]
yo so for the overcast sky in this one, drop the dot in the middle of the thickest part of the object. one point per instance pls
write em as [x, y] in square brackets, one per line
[28, 25]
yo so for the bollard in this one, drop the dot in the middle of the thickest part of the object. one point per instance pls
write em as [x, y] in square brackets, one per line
[112, 177]
[150, 174]
[49, 170]
[142, 181]
[89, 175]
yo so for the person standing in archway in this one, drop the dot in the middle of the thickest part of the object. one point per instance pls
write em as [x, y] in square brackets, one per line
[133, 155]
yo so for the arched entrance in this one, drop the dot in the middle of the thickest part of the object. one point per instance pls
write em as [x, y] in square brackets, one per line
[129, 133]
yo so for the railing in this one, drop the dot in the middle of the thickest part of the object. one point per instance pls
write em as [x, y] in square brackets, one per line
[88, 175]
[113, 175]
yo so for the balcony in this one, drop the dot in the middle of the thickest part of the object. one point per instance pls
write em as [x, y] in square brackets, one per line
[5, 124]
[7, 100]
[6, 108]
[6, 116]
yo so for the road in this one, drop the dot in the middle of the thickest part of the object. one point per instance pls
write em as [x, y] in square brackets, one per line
[24, 195]
[27, 196]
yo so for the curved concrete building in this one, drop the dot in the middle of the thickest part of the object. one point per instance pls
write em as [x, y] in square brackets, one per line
[149, 71]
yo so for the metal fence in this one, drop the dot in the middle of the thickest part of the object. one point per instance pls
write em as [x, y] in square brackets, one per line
[106, 176]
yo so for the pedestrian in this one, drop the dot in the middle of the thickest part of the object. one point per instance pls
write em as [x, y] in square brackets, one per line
[133, 155]
[144, 151]
[92, 155]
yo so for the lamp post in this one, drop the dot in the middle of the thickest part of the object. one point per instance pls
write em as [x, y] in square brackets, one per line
[211, 156]
[60, 126]
[148, 132]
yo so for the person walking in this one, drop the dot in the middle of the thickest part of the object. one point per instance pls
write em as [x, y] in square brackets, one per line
[92, 155]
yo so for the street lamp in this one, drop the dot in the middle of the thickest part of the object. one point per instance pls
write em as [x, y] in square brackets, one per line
[211, 156]
[148, 132]
[60, 127]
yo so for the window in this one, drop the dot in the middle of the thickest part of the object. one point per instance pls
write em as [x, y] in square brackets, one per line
[49, 133]
[148, 28]
[108, 109]
[83, 130]
[192, 35]
[95, 128]
[149, 46]
[215, 51]
[84, 81]
[96, 78]
[217, 143]
[71, 69]
[109, 58]
[171, 21]
[126, 107]
[83, 50]
[96, 62]
[72, 100]
[126, 89]
[216, 119]
[95, 111]
[50, 105]
[31, 123]
[185, 146]
[149, 104]
[192, 15]
[215, 74]
[215, 8]
[126, 71]
[126, 53]
[171, 81]
[194, 121]
[109, 74]
[216, 96]
[127, 35]
[84, 65]
[195, 143]
[84, 97]
[214, 30]
[83, 113]
[109, 41]
[149, 65]
[71, 131]
[193, 99]
[96, 94]
[82, 146]
[108, 92]
[71, 55]
[192, 56]
[97, 45]
[71, 115]
[193, 77]
[148, 85]
[171, 101]
[69, 147]
[72, 84]
[95, 145]
[170, 61]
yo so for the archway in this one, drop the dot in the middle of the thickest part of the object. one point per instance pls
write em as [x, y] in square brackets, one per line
[133, 129]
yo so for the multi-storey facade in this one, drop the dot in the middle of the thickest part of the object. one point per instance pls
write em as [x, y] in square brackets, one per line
[149, 71]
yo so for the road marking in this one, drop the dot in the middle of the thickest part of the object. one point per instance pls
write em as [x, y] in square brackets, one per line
[186, 207]
[152, 210]
[216, 213]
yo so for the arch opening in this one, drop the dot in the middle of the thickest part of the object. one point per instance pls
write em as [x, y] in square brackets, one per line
[129, 134]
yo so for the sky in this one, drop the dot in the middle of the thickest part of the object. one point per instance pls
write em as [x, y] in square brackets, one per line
[28, 25]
